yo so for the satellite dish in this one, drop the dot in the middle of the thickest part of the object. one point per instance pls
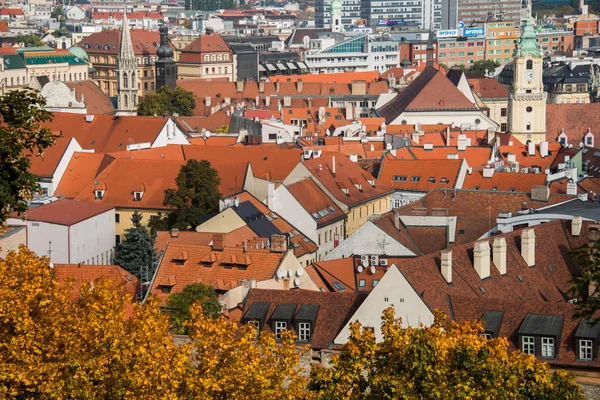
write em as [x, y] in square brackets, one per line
[300, 271]
[373, 269]
[360, 269]
[280, 273]
[297, 282]
[207, 134]
[51, 265]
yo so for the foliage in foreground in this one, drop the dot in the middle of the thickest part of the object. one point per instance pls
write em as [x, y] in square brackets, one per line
[179, 304]
[166, 101]
[445, 361]
[98, 345]
[136, 254]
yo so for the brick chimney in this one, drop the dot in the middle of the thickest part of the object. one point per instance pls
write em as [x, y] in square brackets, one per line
[481, 258]
[277, 86]
[359, 88]
[499, 247]
[299, 86]
[576, 224]
[287, 101]
[528, 246]
[261, 86]
[448, 136]
[446, 265]
[239, 86]
[207, 101]
[278, 244]
[397, 220]
[218, 243]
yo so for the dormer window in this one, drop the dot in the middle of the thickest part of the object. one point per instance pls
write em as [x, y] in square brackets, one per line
[586, 340]
[539, 334]
[282, 318]
[280, 326]
[304, 331]
[98, 194]
[137, 196]
[256, 315]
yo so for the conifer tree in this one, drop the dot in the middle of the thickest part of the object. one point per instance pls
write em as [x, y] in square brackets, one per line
[137, 254]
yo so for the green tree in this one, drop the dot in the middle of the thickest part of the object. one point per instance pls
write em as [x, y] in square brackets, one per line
[22, 136]
[197, 194]
[587, 284]
[178, 304]
[483, 67]
[136, 253]
[29, 41]
[167, 101]
[58, 13]
[445, 361]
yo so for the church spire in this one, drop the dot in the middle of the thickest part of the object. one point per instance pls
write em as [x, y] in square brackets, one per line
[127, 73]
[430, 50]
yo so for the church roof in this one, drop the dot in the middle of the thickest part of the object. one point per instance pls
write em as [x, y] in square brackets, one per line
[430, 91]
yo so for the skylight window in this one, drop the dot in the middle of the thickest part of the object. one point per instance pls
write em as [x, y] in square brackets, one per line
[444, 180]
[415, 179]
[338, 286]
[307, 240]
[399, 178]
[431, 179]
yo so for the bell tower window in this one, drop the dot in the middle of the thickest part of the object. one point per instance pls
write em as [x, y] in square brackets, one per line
[529, 64]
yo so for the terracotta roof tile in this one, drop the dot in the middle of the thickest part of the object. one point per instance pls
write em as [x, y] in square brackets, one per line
[488, 88]
[345, 77]
[314, 200]
[145, 43]
[476, 157]
[193, 52]
[574, 119]
[82, 169]
[525, 160]
[344, 271]
[66, 212]
[230, 239]
[335, 310]
[44, 167]
[96, 101]
[419, 175]
[504, 181]
[89, 273]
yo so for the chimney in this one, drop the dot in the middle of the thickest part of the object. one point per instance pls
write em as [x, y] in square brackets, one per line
[415, 138]
[397, 221]
[309, 102]
[528, 246]
[544, 149]
[268, 101]
[207, 101]
[531, 149]
[270, 195]
[448, 136]
[462, 142]
[277, 86]
[446, 265]
[500, 254]
[278, 243]
[287, 101]
[540, 193]
[359, 88]
[512, 157]
[261, 86]
[572, 187]
[299, 86]
[481, 258]
[239, 86]
[218, 242]
[257, 101]
[349, 113]
[488, 171]
[174, 233]
[576, 224]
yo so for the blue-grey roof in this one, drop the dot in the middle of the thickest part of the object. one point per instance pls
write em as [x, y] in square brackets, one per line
[585, 209]
[284, 311]
[257, 311]
[538, 324]
[493, 321]
[588, 329]
[308, 312]
[256, 220]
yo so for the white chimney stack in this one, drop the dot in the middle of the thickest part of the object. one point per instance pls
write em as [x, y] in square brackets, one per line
[446, 266]
[499, 249]
[544, 149]
[576, 224]
[481, 258]
[528, 246]
[531, 149]
[333, 165]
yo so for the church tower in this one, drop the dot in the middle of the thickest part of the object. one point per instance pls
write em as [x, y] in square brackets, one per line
[166, 69]
[336, 16]
[127, 74]
[527, 98]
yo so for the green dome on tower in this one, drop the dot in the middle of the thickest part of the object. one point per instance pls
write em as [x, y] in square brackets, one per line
[79, 53]
[336, 7]
[527, 42]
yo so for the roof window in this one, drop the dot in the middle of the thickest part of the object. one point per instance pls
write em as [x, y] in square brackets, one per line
[98, 194]
[338, 286]
[415, 179]
[137, 196]
[399, 178]
[444, 180]
[431, 179]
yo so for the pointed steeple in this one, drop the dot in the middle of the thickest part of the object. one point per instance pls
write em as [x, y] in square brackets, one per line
[430, 49]
[126, 54]
[127, 73]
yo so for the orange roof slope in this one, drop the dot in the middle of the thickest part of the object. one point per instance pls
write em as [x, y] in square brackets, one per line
[475, 156]
[145, 43]
[222, 270]
[574, 118]
[66, 212]
[82, 169]
[488, 88]
[431, 91]
[45, 166]
[106, 133]
[350, 184]
[231, 239]
[420, 175]
[89, 273]
[504, 181]
[536, 160]
[316, 202]
[124, 176]
[96, 101]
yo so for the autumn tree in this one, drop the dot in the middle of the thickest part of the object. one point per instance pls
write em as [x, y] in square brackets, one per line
[587, 284]
[22, 136]
[445, 361]
[167, 102]
[179, 304]
[136, 254]
[197, 195]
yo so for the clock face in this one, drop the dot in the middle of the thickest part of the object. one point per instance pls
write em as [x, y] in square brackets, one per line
[529, 74]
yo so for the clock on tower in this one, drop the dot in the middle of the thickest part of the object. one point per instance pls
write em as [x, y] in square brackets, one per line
[527, 98]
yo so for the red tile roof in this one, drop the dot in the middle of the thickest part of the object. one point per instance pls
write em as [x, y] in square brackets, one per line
[345, 272]
[82, 169]
[96, 101]
[223, 270]
[66, 212]
[488, 88]
[574, 118]
[313, 199]
[476, 157]
[210, 123]
[90, 273]
[145, 43]
[348, 176]
[194, 52]
[504, 181]
[45, 166]
[130, 15]
[525, 160]
[419, 175]
[335, 310]
[11, 11]
[230, 239]
[431, 90]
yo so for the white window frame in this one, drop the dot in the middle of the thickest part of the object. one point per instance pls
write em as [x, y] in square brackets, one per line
[279, 327]
[486, 335]
[547, 347]
[586, 346]
[256, 324]
[304, 331]
[528, 344]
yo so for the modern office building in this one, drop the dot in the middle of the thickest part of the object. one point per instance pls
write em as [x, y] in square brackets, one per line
[477, 11]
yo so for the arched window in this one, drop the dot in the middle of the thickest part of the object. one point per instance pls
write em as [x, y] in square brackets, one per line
[126, 103]
[206, 57]
[225, 57]
[125, 80]
[220, 57]
[134, 100]
[213, 57]
[80, 76]
[17, 81]
[70, 77]
[85, 76]
[529, 64]
[12, 81]
[528, 127]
